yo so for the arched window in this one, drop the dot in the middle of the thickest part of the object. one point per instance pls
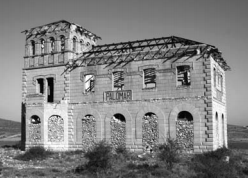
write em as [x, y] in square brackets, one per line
[118, 130]
[34, 129]
[52, 44]
[42, 46]
[81, 45]
[62, 43]
[217, 128]
[35, 119]
[185, 130]
[32, 48]
[74, 45]
[88, 131]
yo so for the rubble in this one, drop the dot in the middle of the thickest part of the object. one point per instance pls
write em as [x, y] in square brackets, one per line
[55, 129]
[118, 132]
[149, 131]
[185, 134]
[88, 131]
[35, 132]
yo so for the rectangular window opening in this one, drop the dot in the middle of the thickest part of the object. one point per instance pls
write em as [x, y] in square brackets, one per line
[150, 78]
[89, 83]
[118, 83]
[40, 86]
[50, 90]
[183, 75]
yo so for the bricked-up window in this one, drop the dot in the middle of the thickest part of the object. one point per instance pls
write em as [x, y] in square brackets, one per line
[50, 90]
[52, 43]
[74, 45]
[183, 75]
[42, 46]
[150, 78]
[89, 84]
[32, 48]
[40, 85]
[118, 83]
[62, 43]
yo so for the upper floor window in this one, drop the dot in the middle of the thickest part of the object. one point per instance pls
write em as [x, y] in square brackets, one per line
[32, 48]
[215, 77]
[118, 83]
[149, 78]
[50, 89]
[74, 44]
[89, 83]
[42, 46]
[183, 75]
[62, 43]
[221, 82]
[52, 44]
[40, 86]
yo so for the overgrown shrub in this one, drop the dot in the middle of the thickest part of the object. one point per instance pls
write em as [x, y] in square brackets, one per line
[168, 152]
[213, 164]
[34, 153]
[99, 157]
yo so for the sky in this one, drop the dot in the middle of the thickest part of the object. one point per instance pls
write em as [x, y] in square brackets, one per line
[221, 23]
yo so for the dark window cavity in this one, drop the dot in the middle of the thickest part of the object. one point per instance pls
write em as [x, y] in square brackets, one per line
[74, 45]
[50, 90]
[150, 78]
[185, 116]
[52, 43]
[214, 77]
[32, 48]
[89, 84]
[81, 45]
[118, 80]
[42, 46]
[35, 120]
[40, 86]
[183, 75]
[62, 43]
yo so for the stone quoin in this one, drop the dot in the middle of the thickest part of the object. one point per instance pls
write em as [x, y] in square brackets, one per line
[133, 94]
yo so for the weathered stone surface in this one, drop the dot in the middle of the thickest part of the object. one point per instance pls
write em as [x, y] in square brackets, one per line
[185, 134]
[55, 129]
[88, 131]
[118, 132]
[34, 132]
[149, 131]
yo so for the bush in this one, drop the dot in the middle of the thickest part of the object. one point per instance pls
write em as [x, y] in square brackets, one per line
[34, 153]
[99, 157]
[168, 152]
[212, 164]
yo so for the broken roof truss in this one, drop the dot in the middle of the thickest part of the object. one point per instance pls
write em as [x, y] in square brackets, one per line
[167, 48]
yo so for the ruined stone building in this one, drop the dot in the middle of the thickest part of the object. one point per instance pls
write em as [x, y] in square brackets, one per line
[134, 94]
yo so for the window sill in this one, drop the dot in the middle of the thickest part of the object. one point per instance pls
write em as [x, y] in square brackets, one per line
[150, 89]
[88, 93]
[182, 87]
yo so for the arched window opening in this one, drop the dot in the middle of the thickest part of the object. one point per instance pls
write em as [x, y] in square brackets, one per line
[185, 116]
[32, 48]
[42, 46]
[52, 44]
[81, 45]
[35, 119]
[62, 43]
[34, 129]
[223, 130]
[118, 130]
[55, 129]
[74, 45]
[215, 77]
[185, 131]
[217, 129]
[150, 131]
[88, 131]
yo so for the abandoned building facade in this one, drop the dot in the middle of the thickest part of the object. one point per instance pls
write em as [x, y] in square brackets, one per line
[134, 94]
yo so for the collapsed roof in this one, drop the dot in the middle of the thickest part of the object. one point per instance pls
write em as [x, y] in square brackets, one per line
[61, 25]
[167, 48]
